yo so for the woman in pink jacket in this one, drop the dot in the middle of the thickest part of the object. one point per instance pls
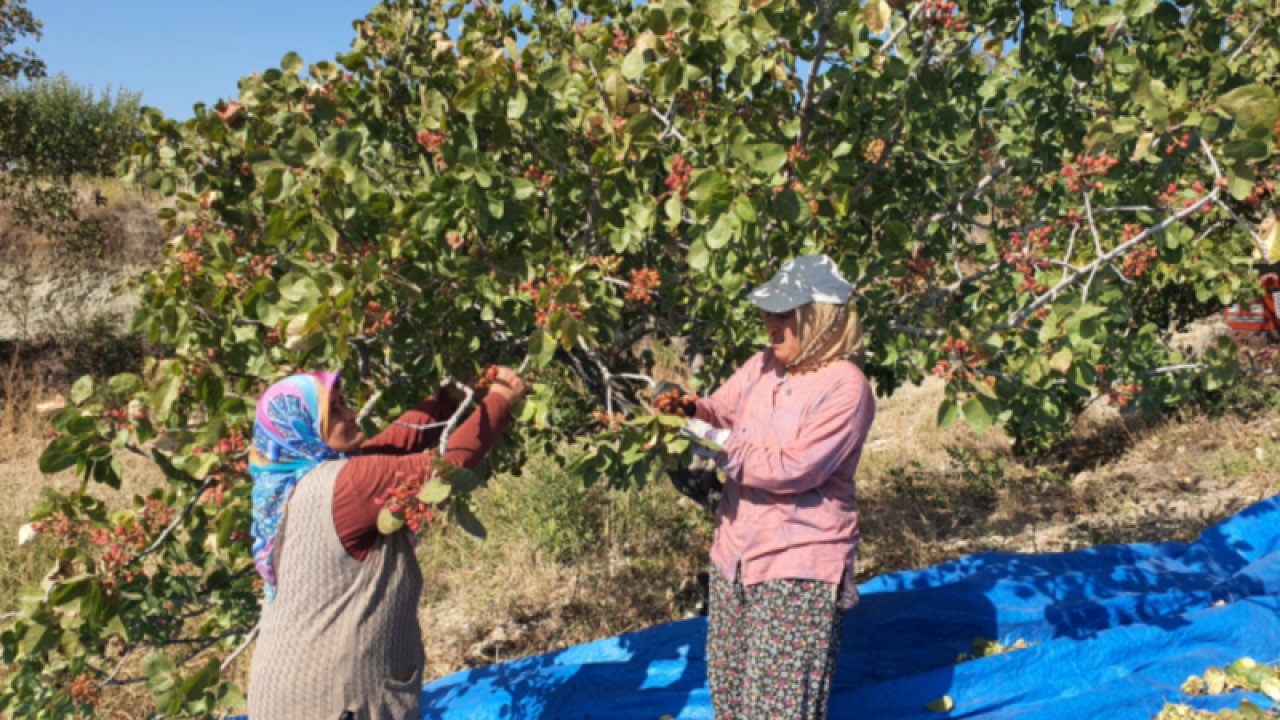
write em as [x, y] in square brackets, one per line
[787, 430]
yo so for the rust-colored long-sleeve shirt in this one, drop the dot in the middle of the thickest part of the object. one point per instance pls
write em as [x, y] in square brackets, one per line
[399, 449]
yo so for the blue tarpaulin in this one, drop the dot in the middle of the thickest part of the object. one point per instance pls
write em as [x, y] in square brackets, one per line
[1115, 630]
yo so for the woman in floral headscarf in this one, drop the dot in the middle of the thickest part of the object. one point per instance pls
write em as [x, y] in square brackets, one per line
[339, 635]
[787, 430]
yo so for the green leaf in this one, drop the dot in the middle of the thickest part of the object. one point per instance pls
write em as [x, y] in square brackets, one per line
[37, 638]
[1253, 107]
[82, 389]
[710, 192]
[1246, 150]
[517, 104]
[634, 64]
[699, 256]
[616, 91]
[768, 158]
[722, 232]
[948, 413]
[542, 348]
[291, 63]
[468, 521]
[125, 384]
[161, 674]
[61, 454]
[876, 14]
[434, 492]
[389, 522]
[720, 10]
[977, 414]
[1061, 361]
[299, 289]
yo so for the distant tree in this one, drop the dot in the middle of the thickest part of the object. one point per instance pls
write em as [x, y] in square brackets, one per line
[50, 131]
[17, 22]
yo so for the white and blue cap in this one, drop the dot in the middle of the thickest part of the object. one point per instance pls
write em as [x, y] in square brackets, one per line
[802, 280]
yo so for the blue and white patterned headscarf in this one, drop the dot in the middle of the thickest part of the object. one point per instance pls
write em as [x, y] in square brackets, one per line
[288, 442]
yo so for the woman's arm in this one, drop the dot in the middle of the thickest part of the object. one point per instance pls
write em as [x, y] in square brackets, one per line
[718, 408]
[399, 439]
[366, 478]
[839, 426]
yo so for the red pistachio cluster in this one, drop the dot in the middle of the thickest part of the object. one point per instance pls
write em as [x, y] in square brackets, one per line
[552, 285]
[487, 378]
[874, 150]
[673, 402]
[1178, 143]
[917, 277]
[962, 361]
[942, 13]
[61, 527]
[231, 451]
[402, 500]
[610, 421]
[1261, 190]
[607, 263]
[84, 689]
[1121, 395]
[259, 266]
[535, 174]
[677, 181]
[1137, 263]
[455, 240]
[1173, 195]
[643, 282]
[430, 141]
[1085, 171]
[1023, 255]
[376, 318]
[191, 262]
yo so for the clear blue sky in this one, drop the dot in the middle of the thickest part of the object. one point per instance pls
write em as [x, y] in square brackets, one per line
[180, 52]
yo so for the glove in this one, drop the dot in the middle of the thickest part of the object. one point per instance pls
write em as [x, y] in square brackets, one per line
[708, 440]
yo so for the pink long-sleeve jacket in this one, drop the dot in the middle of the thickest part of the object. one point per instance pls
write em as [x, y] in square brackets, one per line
[789, 509]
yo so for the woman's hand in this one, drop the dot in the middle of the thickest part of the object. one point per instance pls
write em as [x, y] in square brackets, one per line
[708, 440]
[509, 385]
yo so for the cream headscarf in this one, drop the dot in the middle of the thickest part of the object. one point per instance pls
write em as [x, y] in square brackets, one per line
[827, 333]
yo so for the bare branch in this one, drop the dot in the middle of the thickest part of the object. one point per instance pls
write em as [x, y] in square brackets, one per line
[1244, 45]
[977, 190]
[368, 407]
[1020, 316]
[668, 124]
[915, 331]
[1097, 243]
[469, 396]
[1175, 368]
[248, 640]
[806, 102]
[177, 520]
[893, 37]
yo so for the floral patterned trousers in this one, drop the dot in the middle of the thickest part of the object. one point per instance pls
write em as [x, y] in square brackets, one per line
[771, 648]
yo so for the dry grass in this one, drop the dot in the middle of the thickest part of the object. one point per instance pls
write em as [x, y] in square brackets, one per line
[562, 565]
[1116, 480]
[21, 441]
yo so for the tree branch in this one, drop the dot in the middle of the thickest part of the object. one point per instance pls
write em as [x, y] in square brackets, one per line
[1020, 316]
[806, 102]
[177, 520]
